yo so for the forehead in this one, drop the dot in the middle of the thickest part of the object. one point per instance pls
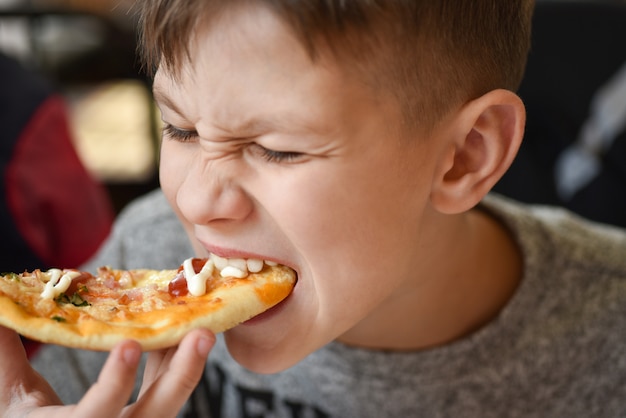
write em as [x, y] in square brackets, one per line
[248, 73]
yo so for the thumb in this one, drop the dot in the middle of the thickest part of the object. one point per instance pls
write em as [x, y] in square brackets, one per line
[15, 368]
[12, 353]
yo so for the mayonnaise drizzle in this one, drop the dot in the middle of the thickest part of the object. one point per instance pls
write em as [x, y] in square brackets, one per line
[58, 283]
[196, 282]
[232, 271]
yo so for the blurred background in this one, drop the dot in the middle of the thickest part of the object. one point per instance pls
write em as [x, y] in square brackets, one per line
[86, 50]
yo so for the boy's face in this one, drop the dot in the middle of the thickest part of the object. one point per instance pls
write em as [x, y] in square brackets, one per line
[269, 155]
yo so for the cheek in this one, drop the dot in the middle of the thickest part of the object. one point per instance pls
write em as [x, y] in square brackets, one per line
[171, 176]
[362, 215]
[171, 170]
[351, 229]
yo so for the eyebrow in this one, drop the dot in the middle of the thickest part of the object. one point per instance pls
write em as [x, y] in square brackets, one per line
[252, 127]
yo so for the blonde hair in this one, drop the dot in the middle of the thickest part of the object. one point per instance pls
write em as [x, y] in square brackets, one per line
[430, 54]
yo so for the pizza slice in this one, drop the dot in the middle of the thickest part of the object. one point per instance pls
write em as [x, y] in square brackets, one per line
[154, 307]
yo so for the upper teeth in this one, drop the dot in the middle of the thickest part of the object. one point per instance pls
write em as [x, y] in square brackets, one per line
[228, 267]
[238, 267]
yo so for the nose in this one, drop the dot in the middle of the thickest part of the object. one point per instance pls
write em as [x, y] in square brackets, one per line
[209, 194]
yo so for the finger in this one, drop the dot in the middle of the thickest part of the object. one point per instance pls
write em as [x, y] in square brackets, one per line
[12, 353]
[180, 375]
[108, 396]
[13, 363]
[17, 372]
[157, 363]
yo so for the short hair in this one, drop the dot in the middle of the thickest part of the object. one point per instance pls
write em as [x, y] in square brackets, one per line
[430, 54]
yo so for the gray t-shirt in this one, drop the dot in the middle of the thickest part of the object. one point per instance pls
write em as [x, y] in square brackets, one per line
[558, 349]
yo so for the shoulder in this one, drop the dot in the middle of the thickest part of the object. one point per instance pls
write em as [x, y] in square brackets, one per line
[561, 234]
[569, 309]
[147, 209]
[146, 234]
[574, 269]
[150, 219]
[574, 277]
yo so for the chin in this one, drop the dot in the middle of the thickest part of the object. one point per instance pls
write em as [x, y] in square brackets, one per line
[266, 359]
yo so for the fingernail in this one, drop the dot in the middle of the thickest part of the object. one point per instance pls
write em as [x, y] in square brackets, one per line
[131, 356]
[204, 345]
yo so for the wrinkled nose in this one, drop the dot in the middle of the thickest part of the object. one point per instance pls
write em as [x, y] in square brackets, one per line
[208, 194]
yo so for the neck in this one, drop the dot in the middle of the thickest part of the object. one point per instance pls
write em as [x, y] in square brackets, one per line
[449, 300]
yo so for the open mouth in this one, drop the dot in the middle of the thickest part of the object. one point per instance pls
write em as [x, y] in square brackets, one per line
[268, 314]
[241, 268]
[273, 311]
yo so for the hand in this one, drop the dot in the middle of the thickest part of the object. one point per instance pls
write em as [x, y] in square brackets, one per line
[169, 378]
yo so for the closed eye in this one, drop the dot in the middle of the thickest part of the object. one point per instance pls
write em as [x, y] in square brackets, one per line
[177, 134]
[273, 156]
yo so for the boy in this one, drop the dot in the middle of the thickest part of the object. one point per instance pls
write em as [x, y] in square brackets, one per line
[353, 141]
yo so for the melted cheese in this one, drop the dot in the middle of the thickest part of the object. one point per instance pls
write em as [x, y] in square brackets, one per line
[159, 279]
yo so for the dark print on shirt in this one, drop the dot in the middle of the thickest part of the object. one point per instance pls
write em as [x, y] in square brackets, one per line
[251, 403]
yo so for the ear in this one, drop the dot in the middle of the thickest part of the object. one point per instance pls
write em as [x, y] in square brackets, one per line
[485, 137]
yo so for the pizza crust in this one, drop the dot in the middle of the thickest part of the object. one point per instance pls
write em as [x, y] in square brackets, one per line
[230, 302]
